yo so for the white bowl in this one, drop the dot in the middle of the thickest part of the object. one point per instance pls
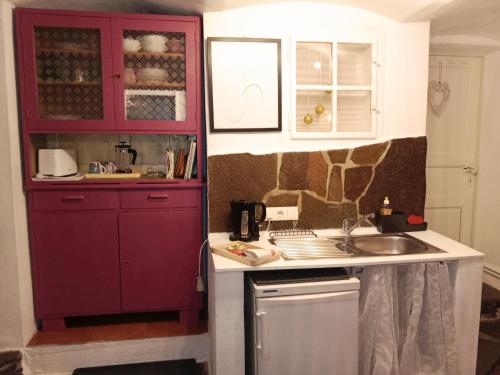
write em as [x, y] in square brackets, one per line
[152, 74]
[131, 45]
[154, 43]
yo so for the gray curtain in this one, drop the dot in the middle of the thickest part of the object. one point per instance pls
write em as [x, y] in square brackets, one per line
[407, 321]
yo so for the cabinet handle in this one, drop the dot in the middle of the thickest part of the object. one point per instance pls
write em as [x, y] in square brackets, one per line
[116, 76]
[73, 198]
[262, 338]
[158, 197]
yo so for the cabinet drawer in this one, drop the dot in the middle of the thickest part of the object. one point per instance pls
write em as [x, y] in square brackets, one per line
[159, 198]
[75, 200]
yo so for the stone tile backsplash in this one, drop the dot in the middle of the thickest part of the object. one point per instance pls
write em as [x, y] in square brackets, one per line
[327, 186]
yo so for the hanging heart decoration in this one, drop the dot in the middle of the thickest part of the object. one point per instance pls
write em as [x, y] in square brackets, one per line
[438, 94]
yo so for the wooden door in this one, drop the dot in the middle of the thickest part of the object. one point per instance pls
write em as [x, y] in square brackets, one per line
[76, 261]
[157, 74]
[451, 157]
[159, 255]
[66, 68]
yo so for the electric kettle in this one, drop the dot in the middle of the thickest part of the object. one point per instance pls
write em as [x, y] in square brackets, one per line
[246, 216]
[122, 161]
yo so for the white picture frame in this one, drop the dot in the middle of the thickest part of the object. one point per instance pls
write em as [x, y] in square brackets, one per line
[244, 84]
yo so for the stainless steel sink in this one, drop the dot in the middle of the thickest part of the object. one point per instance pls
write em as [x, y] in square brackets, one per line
[339, 247]
[385, 244]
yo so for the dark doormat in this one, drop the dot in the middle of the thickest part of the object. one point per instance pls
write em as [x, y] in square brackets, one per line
[178, 367]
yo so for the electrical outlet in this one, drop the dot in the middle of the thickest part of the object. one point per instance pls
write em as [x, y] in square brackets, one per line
[282, 213]
[292, 213]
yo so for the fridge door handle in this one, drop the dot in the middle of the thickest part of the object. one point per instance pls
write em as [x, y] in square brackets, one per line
[262, 335]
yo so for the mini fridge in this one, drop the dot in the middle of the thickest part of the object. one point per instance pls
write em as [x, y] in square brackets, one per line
[302, 323]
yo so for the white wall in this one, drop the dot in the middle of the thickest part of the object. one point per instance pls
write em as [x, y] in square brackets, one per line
[405, 52]
[486, 233]
[17, 324]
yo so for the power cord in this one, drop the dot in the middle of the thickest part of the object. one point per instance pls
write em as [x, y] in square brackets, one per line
[200, 287]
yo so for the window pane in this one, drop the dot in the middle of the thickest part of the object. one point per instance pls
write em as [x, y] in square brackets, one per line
[354, 64]
[68, 66]
[314, 63]
[155, 75]
[314, 111]
[354, 111]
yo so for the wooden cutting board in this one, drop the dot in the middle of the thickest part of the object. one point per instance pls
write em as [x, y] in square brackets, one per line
[227, 250]
[105, 176]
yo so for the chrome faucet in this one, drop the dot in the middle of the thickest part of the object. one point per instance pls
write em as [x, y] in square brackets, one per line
[347, 228]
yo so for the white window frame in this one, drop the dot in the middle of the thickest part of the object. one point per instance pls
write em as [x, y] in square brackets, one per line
[373, 88]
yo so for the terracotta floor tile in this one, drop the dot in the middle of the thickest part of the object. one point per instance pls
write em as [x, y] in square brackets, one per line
[160, 329]
[114, 332]
[66, 337]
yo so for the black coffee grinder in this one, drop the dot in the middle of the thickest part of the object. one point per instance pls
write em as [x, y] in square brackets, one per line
[245, 219]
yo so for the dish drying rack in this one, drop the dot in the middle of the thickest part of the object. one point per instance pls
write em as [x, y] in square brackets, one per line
[289, 229]
[298, 241]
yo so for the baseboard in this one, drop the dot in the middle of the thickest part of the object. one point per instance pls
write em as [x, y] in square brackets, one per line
[63, 359]
[491, 276]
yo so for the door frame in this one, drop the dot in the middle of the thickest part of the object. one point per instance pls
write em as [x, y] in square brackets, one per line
[467, 238]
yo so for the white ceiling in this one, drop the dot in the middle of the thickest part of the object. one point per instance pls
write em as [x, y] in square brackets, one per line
[478, 18]
[449, 17]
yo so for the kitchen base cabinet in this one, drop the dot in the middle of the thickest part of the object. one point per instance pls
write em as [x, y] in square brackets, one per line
[159, 252]
[97, 252]
[76, 264]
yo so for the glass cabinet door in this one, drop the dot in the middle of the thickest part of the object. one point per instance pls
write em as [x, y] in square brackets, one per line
[155, 75]
[356, 88]
[314, 90]
[68, 74]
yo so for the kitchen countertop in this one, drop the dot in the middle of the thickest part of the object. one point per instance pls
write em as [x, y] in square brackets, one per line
[453, 251]
[226, 283]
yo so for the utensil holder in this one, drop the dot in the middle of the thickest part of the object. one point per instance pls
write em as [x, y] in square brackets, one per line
[396, 222]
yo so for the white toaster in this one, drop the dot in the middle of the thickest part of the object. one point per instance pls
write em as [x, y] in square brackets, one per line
[57, 162]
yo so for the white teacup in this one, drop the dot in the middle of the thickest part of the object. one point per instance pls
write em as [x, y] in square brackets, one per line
[131, 45]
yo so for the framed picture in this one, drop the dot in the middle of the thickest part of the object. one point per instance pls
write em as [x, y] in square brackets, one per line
[244, 84]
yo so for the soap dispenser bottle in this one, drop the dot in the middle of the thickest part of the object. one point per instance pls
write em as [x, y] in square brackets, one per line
[386, 208]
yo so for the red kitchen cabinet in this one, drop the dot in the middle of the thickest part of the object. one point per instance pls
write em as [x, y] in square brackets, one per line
[67, 70]
[76, 264]
[79, 75]
[107, 251]
[159, 253]
[101, 246]
[146, 102]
